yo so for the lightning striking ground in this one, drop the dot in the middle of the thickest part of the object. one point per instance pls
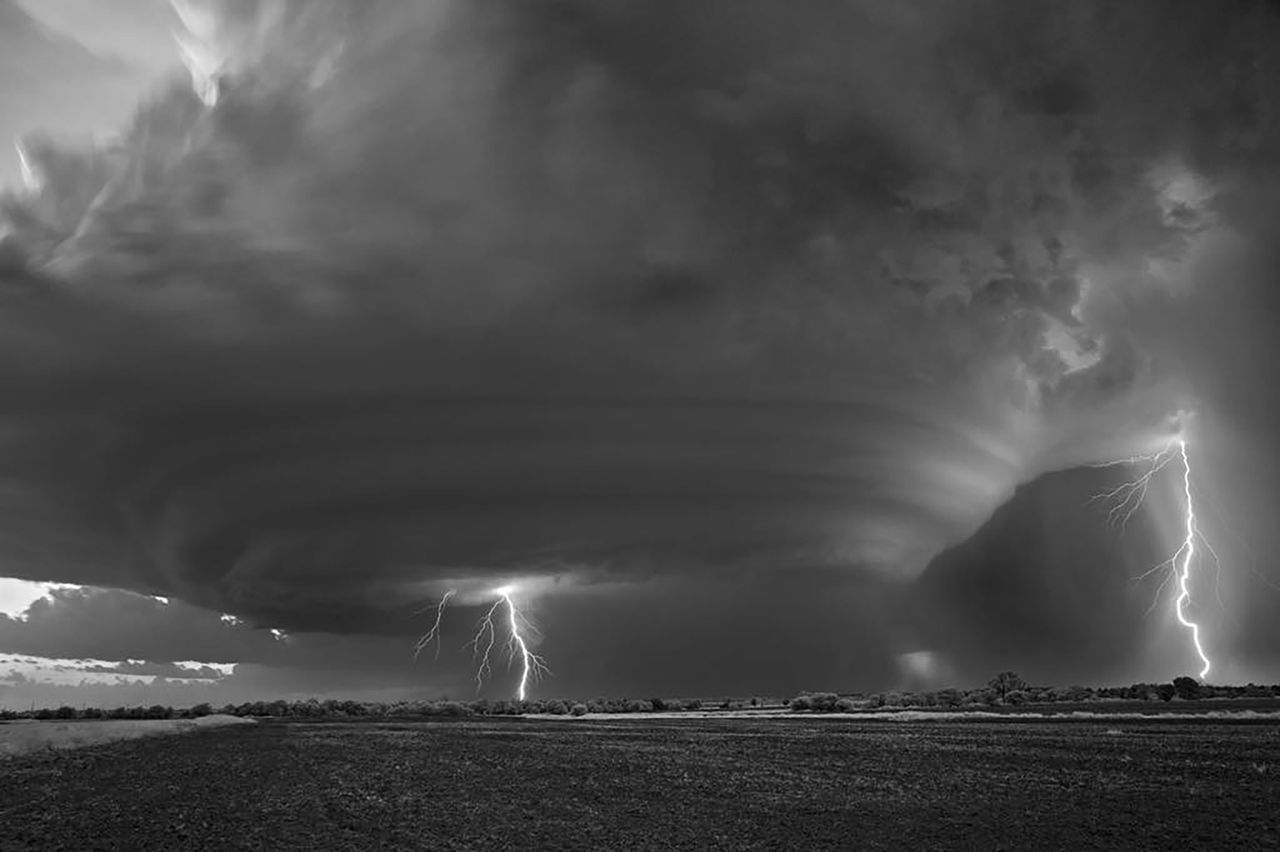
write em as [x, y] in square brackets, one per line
[1127, 498]
[1188, 550]
[532, 666]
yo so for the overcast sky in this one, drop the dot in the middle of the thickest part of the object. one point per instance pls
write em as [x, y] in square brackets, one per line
[761, 346]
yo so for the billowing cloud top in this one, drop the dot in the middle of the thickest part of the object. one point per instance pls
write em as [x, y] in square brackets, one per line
[402, 292]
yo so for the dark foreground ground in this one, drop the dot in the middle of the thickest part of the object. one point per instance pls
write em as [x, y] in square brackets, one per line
[696, 784]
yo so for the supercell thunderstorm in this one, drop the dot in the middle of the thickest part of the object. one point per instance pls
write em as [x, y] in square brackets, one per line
[796, 302]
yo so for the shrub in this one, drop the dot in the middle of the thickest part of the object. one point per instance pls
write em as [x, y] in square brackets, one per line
[638, 706]
[846, 705]
[1076, 692]
[950, 697]
[1006, 682]
[1015, 697]
[818, 702]
[556, 707]
[1187, 688]
[201, 710]
[579, 710]
[693, 704]
[823, 702]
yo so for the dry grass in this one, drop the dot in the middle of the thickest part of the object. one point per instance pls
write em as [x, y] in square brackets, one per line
[24, 737]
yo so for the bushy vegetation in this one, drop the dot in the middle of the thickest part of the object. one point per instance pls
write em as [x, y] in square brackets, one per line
[1004, 690]
[1008, 690]
[335, 709]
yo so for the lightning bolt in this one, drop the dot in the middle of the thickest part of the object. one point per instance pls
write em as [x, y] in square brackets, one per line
[1127, 498]
[434, 632]
[1188, 551]
[485, 627]
[532, 666]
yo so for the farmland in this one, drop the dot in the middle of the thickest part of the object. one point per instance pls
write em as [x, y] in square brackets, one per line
[658, 783]
[21, 737]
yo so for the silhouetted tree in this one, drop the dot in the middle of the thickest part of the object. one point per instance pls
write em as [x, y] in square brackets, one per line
[1187, 688]
[1006, 682]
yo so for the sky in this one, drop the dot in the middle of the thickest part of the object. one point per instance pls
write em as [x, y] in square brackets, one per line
[758, 347]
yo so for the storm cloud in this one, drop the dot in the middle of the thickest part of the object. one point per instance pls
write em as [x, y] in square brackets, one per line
[623, 297]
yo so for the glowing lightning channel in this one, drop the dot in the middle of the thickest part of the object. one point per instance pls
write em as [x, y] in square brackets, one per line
[1127, 498]
[532, 667]
[1188, 550]
[486, 627]
[434, 632]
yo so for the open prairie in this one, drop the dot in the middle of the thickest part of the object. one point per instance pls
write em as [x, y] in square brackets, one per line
[658, 783]
[22, 737]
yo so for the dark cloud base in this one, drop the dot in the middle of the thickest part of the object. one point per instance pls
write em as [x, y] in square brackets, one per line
[726, 318]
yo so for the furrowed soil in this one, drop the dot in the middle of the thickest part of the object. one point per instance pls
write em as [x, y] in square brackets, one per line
[658, 784]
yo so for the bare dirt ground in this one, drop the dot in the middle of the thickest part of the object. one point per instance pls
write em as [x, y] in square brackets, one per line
[659, 784]
[23, 737]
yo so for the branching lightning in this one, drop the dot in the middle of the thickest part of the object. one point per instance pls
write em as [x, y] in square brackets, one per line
[532, 666]
[1124, 500]
[434, 633]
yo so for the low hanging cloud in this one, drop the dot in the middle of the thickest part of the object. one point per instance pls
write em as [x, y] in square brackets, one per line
[400, 293]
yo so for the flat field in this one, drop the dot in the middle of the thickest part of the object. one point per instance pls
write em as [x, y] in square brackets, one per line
[28, 736]
[658, 784]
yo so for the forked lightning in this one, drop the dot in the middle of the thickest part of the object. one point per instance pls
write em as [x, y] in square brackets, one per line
[1128, 497]
[532, 667]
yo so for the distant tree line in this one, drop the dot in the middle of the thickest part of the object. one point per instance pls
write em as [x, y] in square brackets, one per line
[1004, 690]
[1007, 689]
[335, 709]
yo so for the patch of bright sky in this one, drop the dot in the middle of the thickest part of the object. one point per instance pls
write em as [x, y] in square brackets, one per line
[16, 596]
[139, 31]
[73, 671]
